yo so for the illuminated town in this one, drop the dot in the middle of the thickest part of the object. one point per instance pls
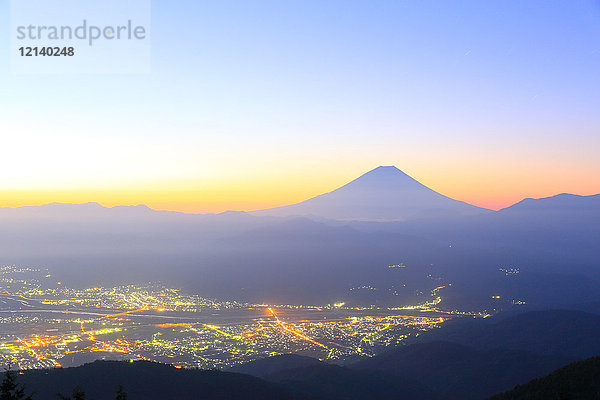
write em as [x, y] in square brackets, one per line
[45, 324]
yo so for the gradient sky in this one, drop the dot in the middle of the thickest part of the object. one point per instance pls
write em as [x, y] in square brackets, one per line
[257, 104]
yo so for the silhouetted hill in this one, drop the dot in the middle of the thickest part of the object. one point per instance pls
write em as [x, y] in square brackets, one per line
[577, 381]
[265, 366]
[590, 307]
[383, 194]
[458, 372]
[309, 376]
[340, 383]
[552, 332]
[143, 380]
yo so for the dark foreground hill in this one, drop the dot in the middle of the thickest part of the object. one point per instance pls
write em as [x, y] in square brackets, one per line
[439, 370]
[308, 376]
[458, 372]
[266, 366]
[340, 383]
[144, 380]
[434, 371]
[577, 381]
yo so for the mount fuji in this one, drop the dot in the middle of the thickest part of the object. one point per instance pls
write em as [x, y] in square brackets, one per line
[383, 194]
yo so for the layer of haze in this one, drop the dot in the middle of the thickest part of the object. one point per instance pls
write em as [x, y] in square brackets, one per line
[256, 104]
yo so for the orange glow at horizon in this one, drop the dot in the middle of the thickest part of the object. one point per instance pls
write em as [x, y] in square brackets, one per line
[485, 187]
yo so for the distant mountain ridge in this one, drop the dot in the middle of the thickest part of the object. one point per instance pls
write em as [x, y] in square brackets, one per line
[559, 203]
[552, 242]
[383, 194]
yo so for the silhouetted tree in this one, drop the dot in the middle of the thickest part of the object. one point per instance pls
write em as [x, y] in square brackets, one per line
[78, 394]
[10, 390]
[121, 395]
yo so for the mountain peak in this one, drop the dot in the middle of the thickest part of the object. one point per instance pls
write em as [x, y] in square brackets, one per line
[385, 194]
[382, 178]
[388, 170]
[385, 168]
[564, 201]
